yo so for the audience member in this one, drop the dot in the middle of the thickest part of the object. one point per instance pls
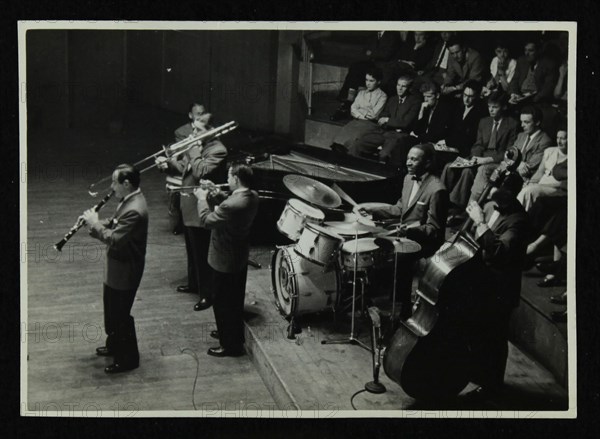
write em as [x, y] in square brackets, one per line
[395, 124]
[502, 69]
[535, 76]
[494, 134]
[531, 143]
[464, 64]
[365, 111]
[544, 183]
[383, 45]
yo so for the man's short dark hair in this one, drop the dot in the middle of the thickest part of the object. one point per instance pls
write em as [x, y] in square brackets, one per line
[428, 153]
[244, 173]
[128, 172]
[376, 73]
[455, 40]
[498, 97]
[195, 104]
[473, 85]
[535, 112]
[429, 87]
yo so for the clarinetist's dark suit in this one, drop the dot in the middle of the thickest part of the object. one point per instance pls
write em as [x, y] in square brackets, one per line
[125, 235]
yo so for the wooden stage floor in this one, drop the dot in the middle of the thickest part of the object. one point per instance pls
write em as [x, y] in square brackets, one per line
[63, 306]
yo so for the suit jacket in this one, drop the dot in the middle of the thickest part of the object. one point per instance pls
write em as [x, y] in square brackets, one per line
[505, 137]
[463, 132]
[503, 251]
[473, 68]
[230, 223]
[125, 236]
[545, 77]
[384, 48]
[431, 65]
[402, 116]
[438, 126]
[429, 209]
[421, 57]
[209, 164]
[532, 155]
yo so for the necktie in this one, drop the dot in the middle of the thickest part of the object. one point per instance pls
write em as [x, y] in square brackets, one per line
[493, 137]
[526, 144]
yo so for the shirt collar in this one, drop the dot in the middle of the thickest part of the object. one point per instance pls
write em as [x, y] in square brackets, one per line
[239, 190]
[127, 197]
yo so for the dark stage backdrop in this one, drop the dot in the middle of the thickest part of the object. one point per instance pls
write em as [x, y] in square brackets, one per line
[85, 78]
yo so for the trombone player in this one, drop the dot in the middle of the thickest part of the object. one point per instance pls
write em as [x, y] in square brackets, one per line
[200, 162]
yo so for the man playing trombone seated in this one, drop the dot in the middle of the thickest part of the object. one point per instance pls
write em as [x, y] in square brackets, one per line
[206, 162]
[422, 210]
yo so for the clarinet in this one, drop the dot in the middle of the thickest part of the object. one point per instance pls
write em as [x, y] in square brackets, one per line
[80, 222]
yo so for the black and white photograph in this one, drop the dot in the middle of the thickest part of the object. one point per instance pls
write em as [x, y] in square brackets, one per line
[298, 219]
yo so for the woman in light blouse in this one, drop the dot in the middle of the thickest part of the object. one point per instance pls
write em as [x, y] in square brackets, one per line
[544, 182]
[502, 69]
[365, 111]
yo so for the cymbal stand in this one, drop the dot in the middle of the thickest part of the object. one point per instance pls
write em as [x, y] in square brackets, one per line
[351, 339]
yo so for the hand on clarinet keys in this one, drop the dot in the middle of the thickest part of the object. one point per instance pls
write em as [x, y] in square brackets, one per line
[90, 216]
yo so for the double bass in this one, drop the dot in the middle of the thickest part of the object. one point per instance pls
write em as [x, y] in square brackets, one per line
[428, 355]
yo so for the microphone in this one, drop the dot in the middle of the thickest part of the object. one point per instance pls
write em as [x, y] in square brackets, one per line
[375, 386]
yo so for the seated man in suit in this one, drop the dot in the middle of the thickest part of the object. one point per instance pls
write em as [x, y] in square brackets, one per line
[464, 64]
[125, 236]
[502, 230]
[436, 69]
[422, 210]
[494, 134]
[230, 223]
[395, 123]
[535, 76]
[435, 117]
[463, 129]
[531, 142]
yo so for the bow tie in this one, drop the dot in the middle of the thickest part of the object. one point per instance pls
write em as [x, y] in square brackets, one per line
[417, 179]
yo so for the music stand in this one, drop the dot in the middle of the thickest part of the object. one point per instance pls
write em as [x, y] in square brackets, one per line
[351, 339]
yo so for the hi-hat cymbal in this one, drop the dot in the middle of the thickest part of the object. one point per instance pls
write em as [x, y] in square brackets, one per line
[401, 245]
[312, 191]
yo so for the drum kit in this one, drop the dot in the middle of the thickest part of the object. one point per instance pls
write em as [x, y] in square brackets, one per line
[309, 275]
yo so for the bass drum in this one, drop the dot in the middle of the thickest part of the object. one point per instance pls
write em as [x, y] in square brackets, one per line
[301, 286]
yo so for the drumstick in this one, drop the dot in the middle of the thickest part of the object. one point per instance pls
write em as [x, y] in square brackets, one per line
[343, 194]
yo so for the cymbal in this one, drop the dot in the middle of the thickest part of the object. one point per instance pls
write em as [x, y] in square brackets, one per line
[401, 245]
[312, 191]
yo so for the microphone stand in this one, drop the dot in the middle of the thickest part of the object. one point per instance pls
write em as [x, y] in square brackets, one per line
[375, 386]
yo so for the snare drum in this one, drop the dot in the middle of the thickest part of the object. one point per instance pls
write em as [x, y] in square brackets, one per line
[301, 286]
[368, 254]
[319, 245]
[295, 216]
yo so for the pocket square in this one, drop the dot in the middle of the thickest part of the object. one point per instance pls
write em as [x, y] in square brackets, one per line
[422, 203]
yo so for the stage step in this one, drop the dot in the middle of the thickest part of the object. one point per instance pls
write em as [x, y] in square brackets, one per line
[304, 374]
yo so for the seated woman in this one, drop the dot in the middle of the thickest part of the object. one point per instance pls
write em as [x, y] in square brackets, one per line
[502, 69]
[365, 111]
[544, 182]
[549, 217]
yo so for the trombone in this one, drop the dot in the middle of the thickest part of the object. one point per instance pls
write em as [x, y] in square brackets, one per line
[174, 150]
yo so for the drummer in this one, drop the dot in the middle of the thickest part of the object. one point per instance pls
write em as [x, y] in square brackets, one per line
[422, 212]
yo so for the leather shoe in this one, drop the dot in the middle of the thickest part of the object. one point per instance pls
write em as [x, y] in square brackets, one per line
[185, 289]
[214, 334]
[103, 351]
[548, 282]
[547, 267]
[222, 352]
[560, 299]
[202, 305]
[559, 316]
[118, 368]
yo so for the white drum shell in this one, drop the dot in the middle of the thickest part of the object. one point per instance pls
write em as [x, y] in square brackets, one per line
[301, 286]
[319, 245]
[295, 216]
